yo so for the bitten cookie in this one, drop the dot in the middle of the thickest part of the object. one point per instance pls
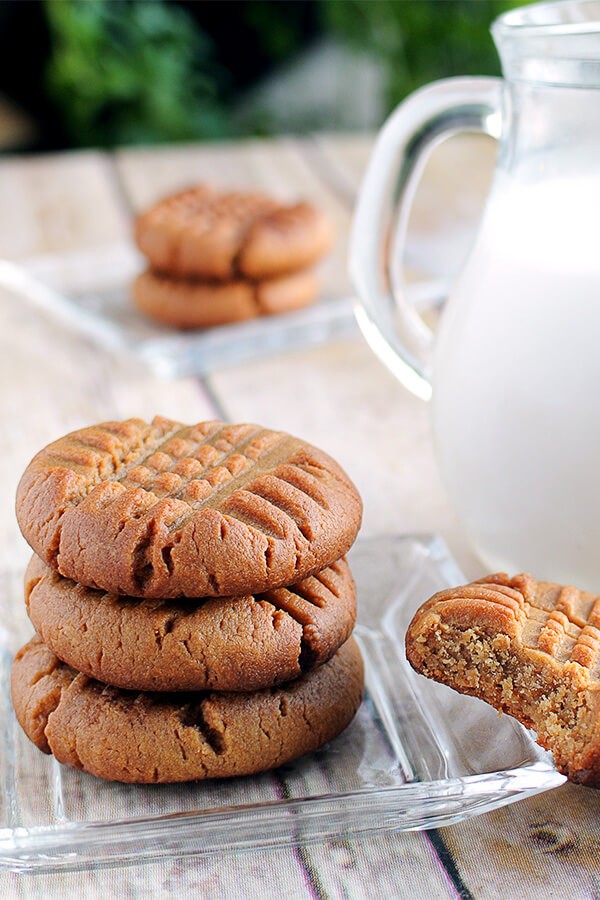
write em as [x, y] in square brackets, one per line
[529, 648]
[222, 644]
[165, 510]
[195, 304]
[147, 738]
[200, 233]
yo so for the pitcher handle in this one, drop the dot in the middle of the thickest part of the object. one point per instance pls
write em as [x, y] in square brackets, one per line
[391, 326]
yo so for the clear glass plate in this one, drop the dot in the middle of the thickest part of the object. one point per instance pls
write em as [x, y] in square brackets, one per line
[417, 755]
[90, 293]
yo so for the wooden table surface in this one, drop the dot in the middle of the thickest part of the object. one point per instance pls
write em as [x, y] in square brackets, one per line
[336, 395]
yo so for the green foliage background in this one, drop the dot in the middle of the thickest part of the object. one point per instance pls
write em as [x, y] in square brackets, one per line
[145, 71]
[420, 40]
[127, 73]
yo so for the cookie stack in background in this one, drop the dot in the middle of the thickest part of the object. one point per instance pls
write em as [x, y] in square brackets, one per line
[216, 258]
[192, 602]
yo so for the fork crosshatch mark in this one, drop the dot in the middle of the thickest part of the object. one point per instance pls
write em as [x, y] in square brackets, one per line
[165, 510]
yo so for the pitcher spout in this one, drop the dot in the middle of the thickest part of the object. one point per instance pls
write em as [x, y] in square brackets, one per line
[555, 44]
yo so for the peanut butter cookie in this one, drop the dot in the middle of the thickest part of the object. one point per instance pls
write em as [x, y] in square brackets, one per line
[150, 737]
[222, 644]
[165, 510]
[527, 647]
[201, 233]
[183, 303]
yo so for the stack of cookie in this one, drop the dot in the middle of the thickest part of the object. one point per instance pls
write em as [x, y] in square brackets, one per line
[133, 678]
[216, 258]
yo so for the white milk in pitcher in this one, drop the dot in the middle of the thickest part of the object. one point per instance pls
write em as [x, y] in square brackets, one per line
[516, 402]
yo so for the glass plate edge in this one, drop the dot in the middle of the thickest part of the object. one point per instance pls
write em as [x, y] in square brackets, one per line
[179, 354]
[412, 806]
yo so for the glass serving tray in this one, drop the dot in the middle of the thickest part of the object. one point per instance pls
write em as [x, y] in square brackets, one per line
[89, 292]
[417, 755]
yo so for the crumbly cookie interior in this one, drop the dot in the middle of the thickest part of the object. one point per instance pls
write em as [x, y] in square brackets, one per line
[558, 705]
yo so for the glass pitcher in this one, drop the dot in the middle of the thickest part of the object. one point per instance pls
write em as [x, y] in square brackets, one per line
[513, 371]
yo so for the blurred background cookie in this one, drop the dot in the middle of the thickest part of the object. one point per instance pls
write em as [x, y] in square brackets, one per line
[216, 258]
[186, 303]
[200, 233]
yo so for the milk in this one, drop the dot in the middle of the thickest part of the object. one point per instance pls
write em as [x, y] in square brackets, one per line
[516, 404]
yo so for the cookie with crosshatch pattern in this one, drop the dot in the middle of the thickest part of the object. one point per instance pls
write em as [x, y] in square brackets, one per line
[206, 234]
[142, 737]
[529, 648]
[166, 510]
[221, 643]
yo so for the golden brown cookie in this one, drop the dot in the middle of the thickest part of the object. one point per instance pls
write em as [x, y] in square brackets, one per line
[527, 647]
[142, 737]
[201, 233]
[221, 644]
[182, 303]
[167, 510]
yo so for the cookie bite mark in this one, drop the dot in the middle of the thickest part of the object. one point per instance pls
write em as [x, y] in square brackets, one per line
[508, 642]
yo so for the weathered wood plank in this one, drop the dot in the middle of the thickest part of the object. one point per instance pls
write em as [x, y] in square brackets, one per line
[266, 875]
[546, 846]
[59, 203]
[403, 866]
